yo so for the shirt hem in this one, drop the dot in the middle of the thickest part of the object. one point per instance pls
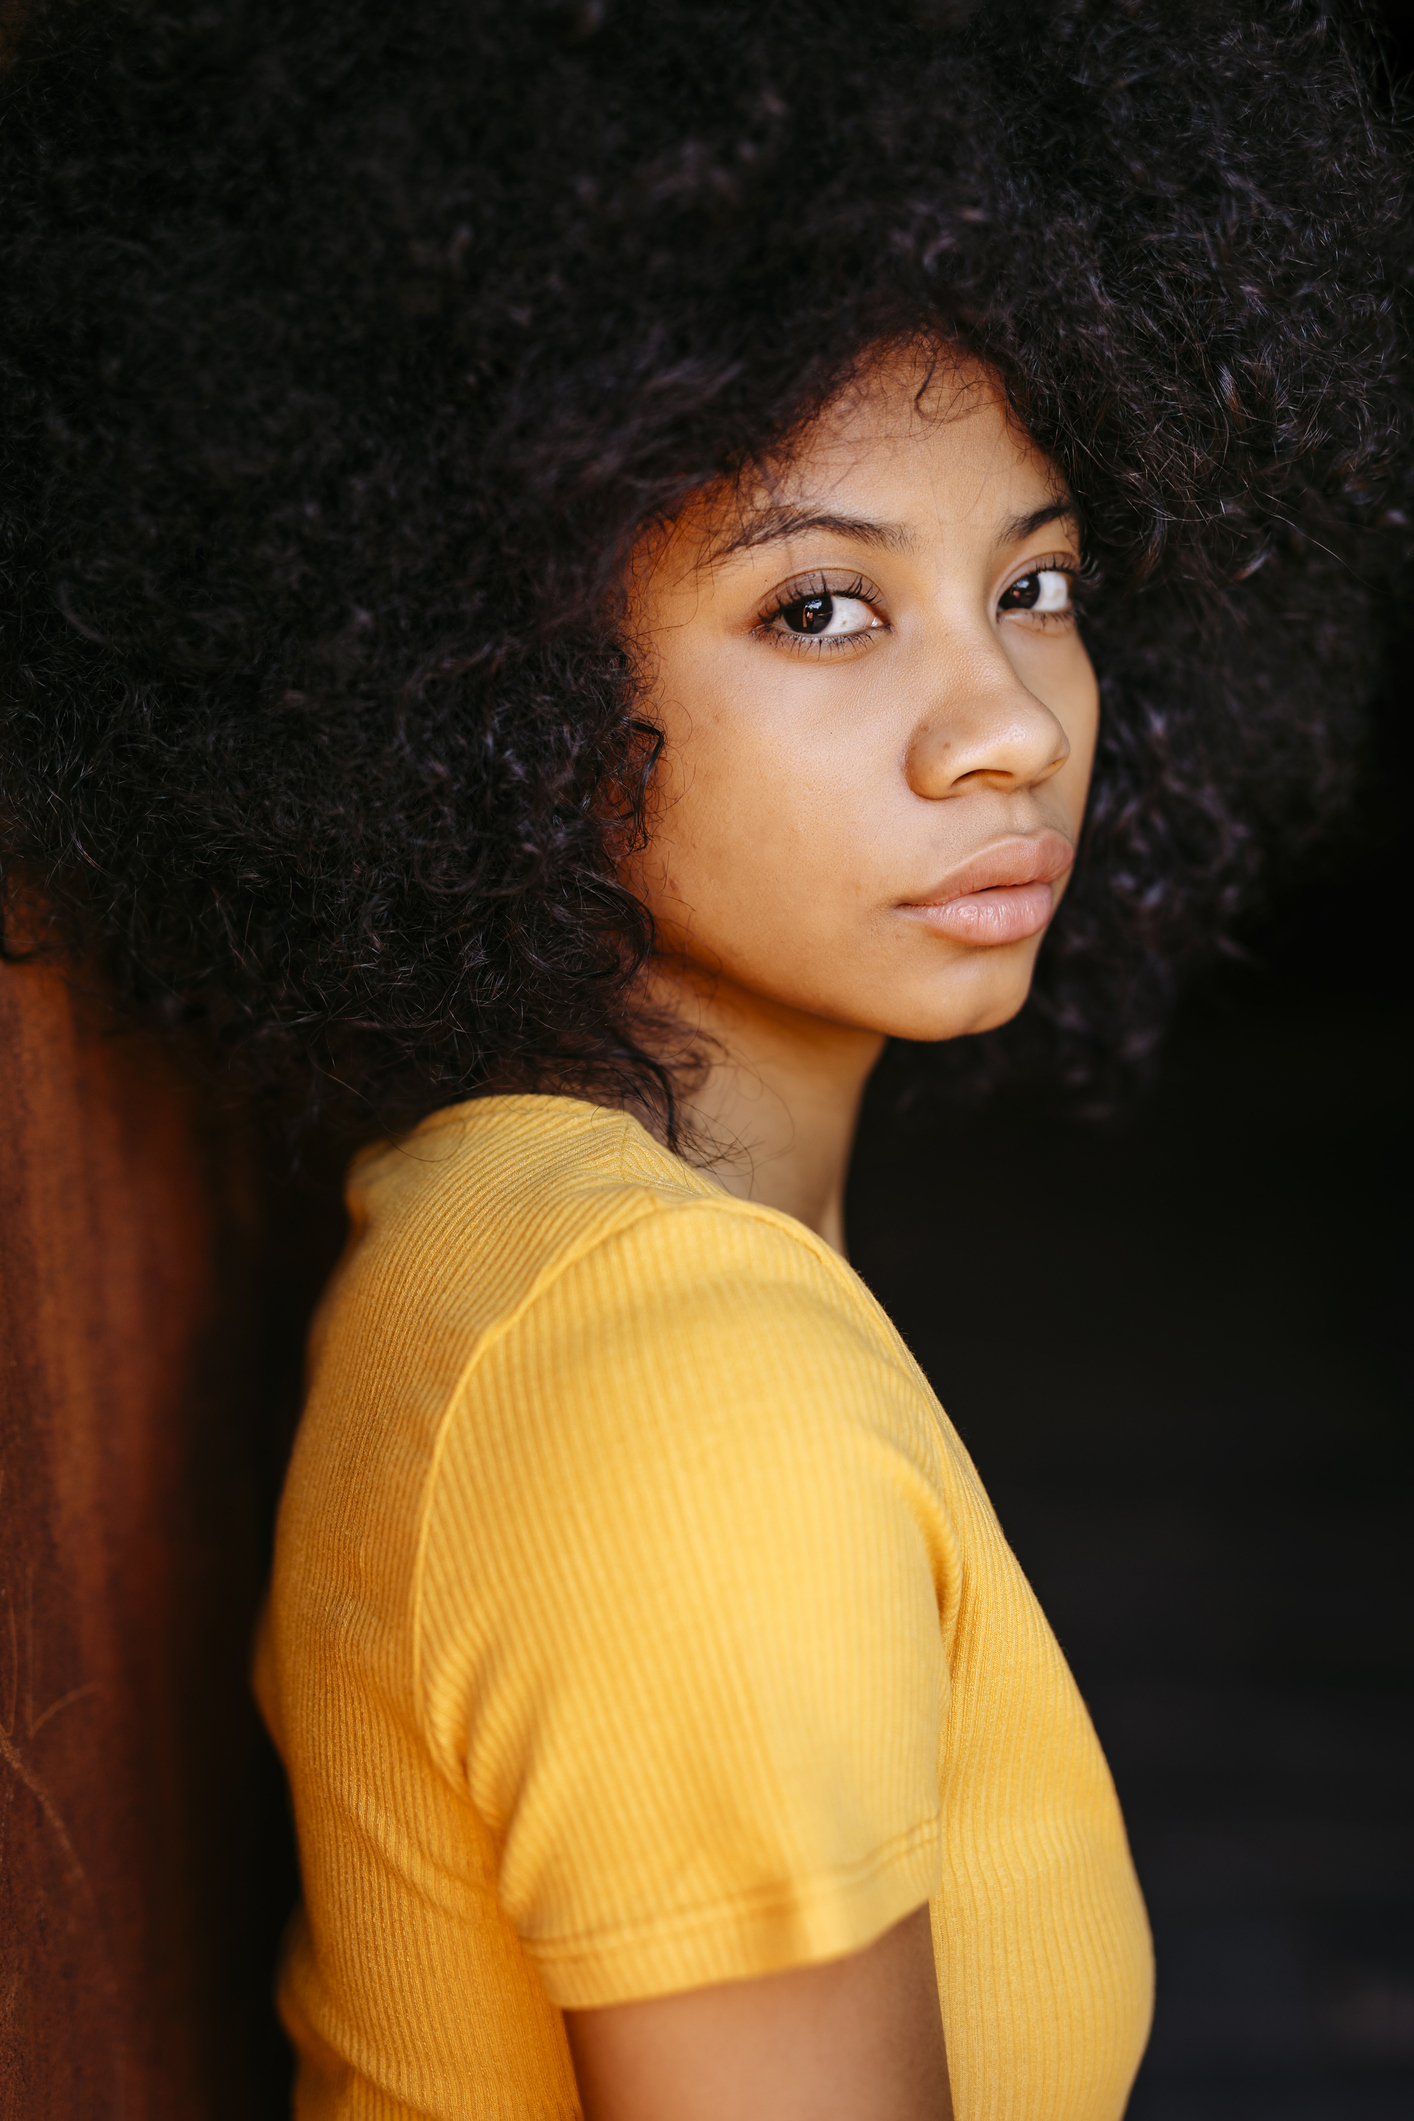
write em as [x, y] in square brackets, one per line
[798, 1923]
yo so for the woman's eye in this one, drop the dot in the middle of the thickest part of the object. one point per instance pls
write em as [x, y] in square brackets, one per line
[1048, 589]
[823, 616]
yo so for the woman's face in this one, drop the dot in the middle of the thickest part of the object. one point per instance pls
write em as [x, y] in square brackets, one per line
[879, 716]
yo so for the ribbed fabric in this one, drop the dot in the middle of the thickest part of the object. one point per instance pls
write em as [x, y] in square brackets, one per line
[638, 1621]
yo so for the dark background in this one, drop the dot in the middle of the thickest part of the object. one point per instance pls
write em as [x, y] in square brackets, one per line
[1177, 1349]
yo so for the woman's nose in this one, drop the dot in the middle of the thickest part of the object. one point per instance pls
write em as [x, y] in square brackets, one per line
[987, 731]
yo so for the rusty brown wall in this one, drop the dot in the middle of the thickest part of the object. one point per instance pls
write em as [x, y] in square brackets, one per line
[141, 1847]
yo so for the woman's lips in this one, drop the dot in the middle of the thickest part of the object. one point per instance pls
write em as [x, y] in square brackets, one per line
[1002, 895]
[1006, 914]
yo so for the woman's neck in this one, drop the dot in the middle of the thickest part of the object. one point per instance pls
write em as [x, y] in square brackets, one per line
[770, 1108]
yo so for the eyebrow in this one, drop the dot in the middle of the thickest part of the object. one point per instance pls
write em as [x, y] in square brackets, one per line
[771, 526]
[1061, 510]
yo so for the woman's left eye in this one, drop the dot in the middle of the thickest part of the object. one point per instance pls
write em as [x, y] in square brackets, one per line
[1046, 589]
[824, 615]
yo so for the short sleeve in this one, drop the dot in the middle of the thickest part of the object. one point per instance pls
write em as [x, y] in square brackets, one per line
[678, 1628]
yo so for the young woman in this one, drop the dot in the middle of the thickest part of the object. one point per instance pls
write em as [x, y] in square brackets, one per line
[546, 548]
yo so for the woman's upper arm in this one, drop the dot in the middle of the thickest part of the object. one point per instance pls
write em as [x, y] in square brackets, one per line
[855, 2039]
[680, 1638]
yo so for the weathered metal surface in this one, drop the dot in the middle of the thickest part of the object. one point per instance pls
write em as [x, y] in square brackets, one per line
[136, 1863]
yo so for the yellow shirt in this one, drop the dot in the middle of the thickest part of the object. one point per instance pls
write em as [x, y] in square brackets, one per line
[639, 1621]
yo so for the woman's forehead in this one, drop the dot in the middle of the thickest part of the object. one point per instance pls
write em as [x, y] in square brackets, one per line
[905, 446]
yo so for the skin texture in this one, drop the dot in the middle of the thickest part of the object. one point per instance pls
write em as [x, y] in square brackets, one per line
[815, 793]
[857, 2040]
[821, 798]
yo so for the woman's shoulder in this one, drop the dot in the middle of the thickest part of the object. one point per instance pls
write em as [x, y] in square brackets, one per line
[517, 1261]
[473, 1217]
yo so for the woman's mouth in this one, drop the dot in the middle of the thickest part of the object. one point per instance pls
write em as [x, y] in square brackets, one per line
[1002, 895]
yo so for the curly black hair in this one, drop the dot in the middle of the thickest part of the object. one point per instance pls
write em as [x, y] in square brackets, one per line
[346, 351]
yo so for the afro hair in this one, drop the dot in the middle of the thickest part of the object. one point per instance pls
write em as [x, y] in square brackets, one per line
[346, 352]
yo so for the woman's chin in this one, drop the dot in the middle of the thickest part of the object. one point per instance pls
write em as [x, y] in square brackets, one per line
[987, 997]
